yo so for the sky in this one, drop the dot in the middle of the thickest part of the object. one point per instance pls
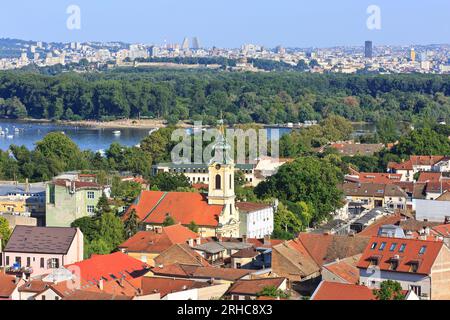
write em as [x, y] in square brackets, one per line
[230, 23]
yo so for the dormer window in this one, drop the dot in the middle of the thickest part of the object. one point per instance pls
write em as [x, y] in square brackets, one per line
[413, 266]
[393, 246]
[393, 264]
[382, 246]
[422, 249]
[402, 247]
[374, 245]
[373, 261]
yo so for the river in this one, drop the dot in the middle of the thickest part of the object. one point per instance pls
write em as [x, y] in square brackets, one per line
[90, 138]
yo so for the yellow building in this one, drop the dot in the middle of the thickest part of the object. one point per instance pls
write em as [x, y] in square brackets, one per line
[12, 205]
[413, 55]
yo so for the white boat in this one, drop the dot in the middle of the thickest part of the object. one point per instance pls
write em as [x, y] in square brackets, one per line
[117, 132]
[17, 130]
[152, 131]
[10, 136]
[2, 133]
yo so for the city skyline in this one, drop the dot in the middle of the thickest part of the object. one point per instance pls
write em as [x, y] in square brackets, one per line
[289, 23]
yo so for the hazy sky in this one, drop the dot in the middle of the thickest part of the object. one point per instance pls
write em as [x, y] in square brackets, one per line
[230, 23]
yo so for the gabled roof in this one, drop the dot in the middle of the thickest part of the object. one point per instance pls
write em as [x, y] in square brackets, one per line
[153, 207]
[415, 252]
[294, 253]
[79, 295]
[372, 190]
[373, 229]
[35, 286]
[325, 248]
[110, 267]
[345, 269]
[156, 242]
[254, 286]
[342, 291]
[181, 253]
[165, 286]
[373, 177]
[189, 271]
[7, 286]
[51, 240]
[442, 230]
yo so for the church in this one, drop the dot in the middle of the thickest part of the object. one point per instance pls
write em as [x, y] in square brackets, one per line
[215, 213]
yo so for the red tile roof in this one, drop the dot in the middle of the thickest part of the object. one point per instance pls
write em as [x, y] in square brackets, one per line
[325, 248]
[189, 271]
[7, 286]
[184, 207]
[254, 286]
[109, 267]
[342, 291]
[384, 178]
[165, 286]
[345, 269]
[78, 184]
[372, 230]
[442, 230]
[410, 255]
[156, 242]
[426, 176]
[415, 161]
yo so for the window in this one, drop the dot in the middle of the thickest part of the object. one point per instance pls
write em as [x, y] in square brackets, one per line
[42, 263]
[28, 262]
[402, 247]
[19, 261]
[56, 298]
[382, 246]
[218, 182]
[91, 195]
[393, 246]
[422, 250]
[90, 209]
[393, 265]
[414, 266]
[416, 289]
[231, 183]
[374, 245]
[7, 260]
[53, 263]
[43, 297]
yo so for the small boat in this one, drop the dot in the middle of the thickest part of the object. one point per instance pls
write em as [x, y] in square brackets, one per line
[17, 130]
[152, 131]
[10, 136]
[117, 132]
[2, 133]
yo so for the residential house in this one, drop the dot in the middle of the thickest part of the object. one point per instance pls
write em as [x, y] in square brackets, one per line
[200, 273]
[352, 149]
[346, 291]
[182, 254]
[68, 200]
[251, 289]
[418, 265]
[256, 219]
[9, 287]
[218, 253]
[373, 195]
[39, 250]
[414, 165]
[147, 245]
[33, 194]
[342, 270]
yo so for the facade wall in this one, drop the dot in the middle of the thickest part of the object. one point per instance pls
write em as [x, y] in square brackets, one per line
[67, 206]
[431, 210]
[260, 223]
[440, 276]
[367, 278]
[48, 294]
[329, 276]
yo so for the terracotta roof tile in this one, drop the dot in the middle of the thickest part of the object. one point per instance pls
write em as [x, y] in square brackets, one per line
[254, 286]
[184, 207]
[165, 286]
[7, 286]
[415, 252]
[342, 291]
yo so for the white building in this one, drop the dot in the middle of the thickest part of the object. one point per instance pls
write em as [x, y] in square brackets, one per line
[256, 219]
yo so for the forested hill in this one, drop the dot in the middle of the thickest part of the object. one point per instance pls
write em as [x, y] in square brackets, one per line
[243, 97]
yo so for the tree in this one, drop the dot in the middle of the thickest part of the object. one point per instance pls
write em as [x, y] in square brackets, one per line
[309, 179]
[5, 231]
[274, 292]
[193, 227]
[389, 290]
[111, 230]
[103, 205]
[170, 182]
[131, 224]
[286, 223]
[88, 227]
[168, 221]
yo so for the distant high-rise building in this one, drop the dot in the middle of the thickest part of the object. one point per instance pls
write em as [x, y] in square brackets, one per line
[185, 44]
[195, 43]
[368, 52]
[413, 55]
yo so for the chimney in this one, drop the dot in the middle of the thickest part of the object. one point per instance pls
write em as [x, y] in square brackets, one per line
[100, 284]
[267, 240]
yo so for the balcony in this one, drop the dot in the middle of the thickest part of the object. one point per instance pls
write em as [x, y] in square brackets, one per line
[17, 270]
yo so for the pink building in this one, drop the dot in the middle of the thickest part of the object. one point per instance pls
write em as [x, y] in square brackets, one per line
[39, 250]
